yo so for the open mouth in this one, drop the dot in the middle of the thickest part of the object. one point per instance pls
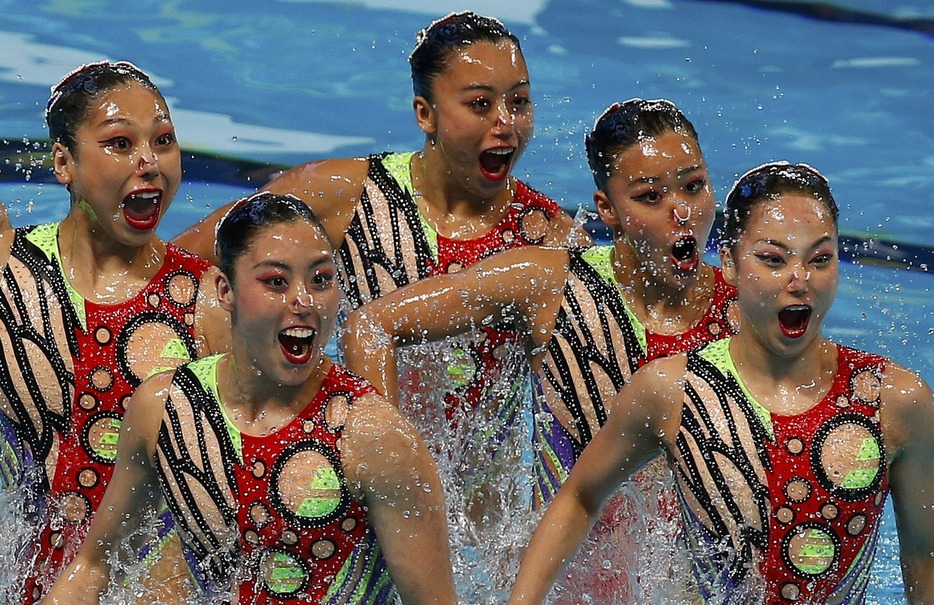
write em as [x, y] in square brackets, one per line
[794, 320]
[684, 254]
[296, 344]
[141, 209]
[495, 163]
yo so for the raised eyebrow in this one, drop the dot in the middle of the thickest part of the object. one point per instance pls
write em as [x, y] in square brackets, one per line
[771, 242]
[487, 88]
[689, 169]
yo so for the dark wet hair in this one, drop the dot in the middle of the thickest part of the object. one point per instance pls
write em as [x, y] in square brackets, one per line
[436, 42]
[72, 97]
[246, 218]
[623, 125]
[768, 182]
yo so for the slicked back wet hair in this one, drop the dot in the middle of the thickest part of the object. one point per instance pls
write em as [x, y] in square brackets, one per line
[247, 217]
[768, 182]
[71, 99]
[438, 41]
[625, 124]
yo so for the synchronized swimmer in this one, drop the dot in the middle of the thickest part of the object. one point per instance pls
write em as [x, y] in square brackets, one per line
[138, 380]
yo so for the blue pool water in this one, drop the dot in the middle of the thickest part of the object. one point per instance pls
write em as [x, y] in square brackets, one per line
[846, 87]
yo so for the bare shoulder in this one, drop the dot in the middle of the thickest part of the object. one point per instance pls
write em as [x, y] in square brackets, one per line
[6, 236]
[212, 322]
[564, 231]
[906, 405]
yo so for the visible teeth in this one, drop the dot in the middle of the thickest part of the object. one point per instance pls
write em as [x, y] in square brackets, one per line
[299, 332]
[501, 150]
[147, 195]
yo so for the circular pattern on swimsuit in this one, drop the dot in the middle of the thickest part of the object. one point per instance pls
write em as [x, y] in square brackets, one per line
[508, 236]
[283, 574]
[323, 549]
[73, 508]
[791, 591]
[259, 514]
[151, 341]
[847, 456]
[87, 401]
[785, 515]
[100, 436]
[810, 549]
[797, 489]
[102, 335]
[88, 478]
[454, 266]
[794, 446]
[336, 411]
[731, 315]
[181, 288]
[856, 524]
[866, 386]
[462, 367]
[830, 511]
[307, 485]
[101, 379]
[533, 225]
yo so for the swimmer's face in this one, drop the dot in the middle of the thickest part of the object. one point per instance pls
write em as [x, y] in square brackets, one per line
[482, 117]
[659, 202]
[283, 301]
[785, 267]
[126, 166]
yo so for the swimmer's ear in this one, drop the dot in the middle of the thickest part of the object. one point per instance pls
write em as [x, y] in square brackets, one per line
[425, 115]
[224, 292]
[61, 163]
[728, 266]
[606, 210]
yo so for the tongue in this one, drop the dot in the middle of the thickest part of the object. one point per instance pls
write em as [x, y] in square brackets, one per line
[684, 249]
[296, 350]
[494, 163]
[140, 212]
[794, 322]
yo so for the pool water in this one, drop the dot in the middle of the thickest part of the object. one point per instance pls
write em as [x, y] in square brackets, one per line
[845, 87]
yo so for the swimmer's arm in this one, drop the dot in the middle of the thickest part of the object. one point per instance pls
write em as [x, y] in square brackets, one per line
[566, 232]
[6, 236]
[133, 489]
[908, 426]
[212, 322]
[331, 188]
[390, 469]
[528, 280]
[639, 414]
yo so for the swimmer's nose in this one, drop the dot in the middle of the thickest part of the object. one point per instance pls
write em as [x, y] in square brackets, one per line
[682, 214]
[147, 161]
[799, 280]
[303, 301]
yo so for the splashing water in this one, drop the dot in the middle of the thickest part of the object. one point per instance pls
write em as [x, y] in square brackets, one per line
[484, 461]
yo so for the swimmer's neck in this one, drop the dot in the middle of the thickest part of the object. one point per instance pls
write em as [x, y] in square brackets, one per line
[258, 404]
[103, 270]
[434, 184]
[661, 307]
[784, 384]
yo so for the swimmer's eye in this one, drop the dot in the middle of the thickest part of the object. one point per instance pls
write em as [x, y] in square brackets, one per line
[649, 197]
[322, 280]
[521, 103]
[166, 139]
[119, 143]
[822, 260]
[697, 186]
[276, 282]
[480, 104]
[771, 260]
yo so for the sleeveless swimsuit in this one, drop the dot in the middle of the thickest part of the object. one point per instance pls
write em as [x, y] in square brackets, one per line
[390, 244]
[795, 498]
[596, 345]
[69, 366]
[273, 513]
